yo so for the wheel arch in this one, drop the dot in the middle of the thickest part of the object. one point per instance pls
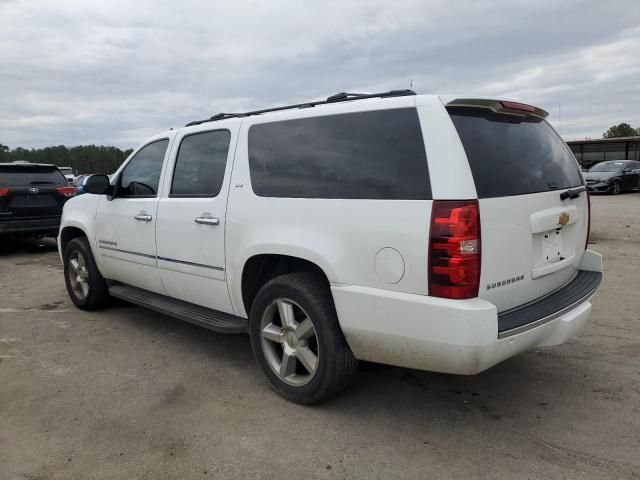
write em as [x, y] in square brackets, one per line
[74, 229]
[260, 268]
[68, 233]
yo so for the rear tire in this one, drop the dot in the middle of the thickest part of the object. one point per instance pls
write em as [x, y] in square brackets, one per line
[85, 285]
[616, 187]
[297, 341]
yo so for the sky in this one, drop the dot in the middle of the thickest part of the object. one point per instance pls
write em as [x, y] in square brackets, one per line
[115, 72]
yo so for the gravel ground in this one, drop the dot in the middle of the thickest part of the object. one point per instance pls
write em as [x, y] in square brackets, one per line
[129, 393]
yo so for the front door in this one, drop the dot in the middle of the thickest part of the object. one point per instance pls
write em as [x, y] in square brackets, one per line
[191, 218]
[126, 224]
[631, 176]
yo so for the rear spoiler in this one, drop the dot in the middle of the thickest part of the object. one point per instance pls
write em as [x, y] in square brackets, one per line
[499, 106]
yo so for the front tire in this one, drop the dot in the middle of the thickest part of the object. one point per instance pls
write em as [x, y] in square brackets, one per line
[616, 188]
[85, 285]
[297, 341]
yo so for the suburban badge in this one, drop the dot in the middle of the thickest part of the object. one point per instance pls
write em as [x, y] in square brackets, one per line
[502, 283]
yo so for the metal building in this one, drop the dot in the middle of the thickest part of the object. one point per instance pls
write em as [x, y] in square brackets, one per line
[590, 152]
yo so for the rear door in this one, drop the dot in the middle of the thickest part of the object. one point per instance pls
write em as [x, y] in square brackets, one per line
[532, 235]
[126, 224]
[29, 192]
[191, 218]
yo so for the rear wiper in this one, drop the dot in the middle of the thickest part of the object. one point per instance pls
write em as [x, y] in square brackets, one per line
[41, 183]
[575, 193]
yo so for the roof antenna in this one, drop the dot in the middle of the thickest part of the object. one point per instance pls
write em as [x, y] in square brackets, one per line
[411, 85]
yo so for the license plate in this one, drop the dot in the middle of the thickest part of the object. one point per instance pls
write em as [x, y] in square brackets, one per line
[32, 201]
[552, 246]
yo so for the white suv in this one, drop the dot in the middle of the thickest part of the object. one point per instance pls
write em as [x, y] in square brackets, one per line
[428, 232]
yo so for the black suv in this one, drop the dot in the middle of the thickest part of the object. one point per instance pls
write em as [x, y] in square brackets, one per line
[31, 198]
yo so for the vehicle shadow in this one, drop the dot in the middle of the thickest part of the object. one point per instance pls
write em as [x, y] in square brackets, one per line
[26, 245]
[519, 388]
[519, 411]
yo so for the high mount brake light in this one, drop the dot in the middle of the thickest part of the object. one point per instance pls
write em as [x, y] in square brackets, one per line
[517, 106]
[66, 191]
[454, 249]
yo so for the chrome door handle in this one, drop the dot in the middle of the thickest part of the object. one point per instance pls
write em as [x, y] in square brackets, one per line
[144, 217]
[207, 220]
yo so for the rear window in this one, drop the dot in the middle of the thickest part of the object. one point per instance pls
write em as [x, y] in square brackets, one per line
[512, 155]
[30, 175]
[373, 155]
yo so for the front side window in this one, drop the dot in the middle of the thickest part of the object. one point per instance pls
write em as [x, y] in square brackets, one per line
[141, 176]
[200, 164]
[367, 155]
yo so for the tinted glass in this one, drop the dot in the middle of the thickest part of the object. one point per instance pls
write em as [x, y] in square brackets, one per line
[30, 175]
[511, 155]
[377, 155]
[141, 176]
[200, 165]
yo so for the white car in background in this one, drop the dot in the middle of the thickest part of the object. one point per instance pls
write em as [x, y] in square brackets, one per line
[68, 173]
[429, 232]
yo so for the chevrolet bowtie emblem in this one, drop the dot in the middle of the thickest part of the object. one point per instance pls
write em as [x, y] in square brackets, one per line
[563, 218]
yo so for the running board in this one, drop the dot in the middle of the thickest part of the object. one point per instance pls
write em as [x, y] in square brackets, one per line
[204, 317]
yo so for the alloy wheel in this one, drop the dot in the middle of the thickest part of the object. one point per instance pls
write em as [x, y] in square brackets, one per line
[289, 342]
[616, 188]
[78, 274]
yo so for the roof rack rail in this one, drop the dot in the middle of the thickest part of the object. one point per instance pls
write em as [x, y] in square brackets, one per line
[338, 97]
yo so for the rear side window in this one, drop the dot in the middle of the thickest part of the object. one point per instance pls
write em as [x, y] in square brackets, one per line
[141, 176]
[200, 165]
[512, 155]
[375, 155]
[30, 175]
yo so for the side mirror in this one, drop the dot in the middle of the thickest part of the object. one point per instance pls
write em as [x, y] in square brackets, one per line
[97, 184]
[627, 170]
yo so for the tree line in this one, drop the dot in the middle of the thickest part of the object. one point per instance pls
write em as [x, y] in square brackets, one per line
[621, 130]
[83, 158]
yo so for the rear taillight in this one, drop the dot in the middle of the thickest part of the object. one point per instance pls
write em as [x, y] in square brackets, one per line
[454, 249]
[66, 191]
[586, 242]
[4, 191]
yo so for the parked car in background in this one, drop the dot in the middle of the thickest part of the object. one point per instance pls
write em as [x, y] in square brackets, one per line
[614, 176]
[31, 198]
[79, 182]
[68, 173]
[389, 227]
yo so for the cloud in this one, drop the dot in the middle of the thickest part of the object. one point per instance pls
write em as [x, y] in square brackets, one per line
[114, 72]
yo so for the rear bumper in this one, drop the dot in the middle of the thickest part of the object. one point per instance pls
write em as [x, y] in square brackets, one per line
[543, 310]
[451, 336]
[32, 225]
